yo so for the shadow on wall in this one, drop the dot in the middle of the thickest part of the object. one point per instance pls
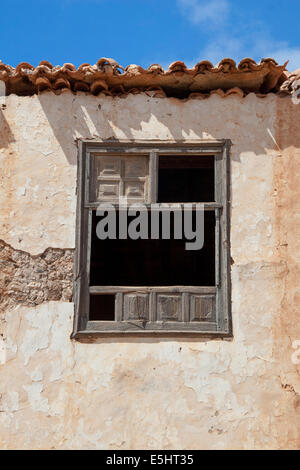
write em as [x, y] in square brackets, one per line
[287, 123]
[144, 117]
[109, 118]
[6, 135]
[84, 116]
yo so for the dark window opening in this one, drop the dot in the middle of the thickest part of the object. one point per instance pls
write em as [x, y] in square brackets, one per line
[186, 179]
[153, 262]
[102, 307]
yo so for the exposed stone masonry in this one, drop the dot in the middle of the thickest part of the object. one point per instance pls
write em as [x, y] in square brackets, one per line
[32, 280]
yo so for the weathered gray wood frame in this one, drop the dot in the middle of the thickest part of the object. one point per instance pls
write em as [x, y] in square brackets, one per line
[85, 329]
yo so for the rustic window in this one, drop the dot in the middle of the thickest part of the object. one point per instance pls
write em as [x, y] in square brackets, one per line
[152, 285]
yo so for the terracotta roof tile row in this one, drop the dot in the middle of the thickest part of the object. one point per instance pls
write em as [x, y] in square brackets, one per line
[110, 78]
[291, 84]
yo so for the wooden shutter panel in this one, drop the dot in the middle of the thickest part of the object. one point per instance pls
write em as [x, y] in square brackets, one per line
[113, 177]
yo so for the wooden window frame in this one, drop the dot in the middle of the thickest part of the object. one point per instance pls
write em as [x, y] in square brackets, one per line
[84, 329]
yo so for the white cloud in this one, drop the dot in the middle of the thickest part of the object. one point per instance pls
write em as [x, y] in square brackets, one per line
[222, 47]
[200, 11]
[253, 44]
[231, 38]
[282, 54]
[246, 46]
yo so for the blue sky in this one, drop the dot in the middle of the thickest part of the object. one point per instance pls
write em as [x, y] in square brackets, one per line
[148, 31]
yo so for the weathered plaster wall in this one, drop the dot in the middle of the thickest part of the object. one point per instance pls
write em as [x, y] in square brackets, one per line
[153, 393]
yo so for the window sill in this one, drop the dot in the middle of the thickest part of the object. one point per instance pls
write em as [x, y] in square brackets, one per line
[201, 330]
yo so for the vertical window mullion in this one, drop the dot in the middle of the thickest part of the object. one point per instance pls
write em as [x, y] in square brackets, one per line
[89, 244]
[153, 176]
[218, 179]
[217, 248]
[119, 307]
[87, 178]
[218, 231]
[122, 180]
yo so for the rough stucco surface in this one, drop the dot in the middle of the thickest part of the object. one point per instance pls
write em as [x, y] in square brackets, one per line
[154, 393]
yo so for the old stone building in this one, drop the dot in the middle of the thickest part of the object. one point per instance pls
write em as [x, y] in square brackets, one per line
[212, 363]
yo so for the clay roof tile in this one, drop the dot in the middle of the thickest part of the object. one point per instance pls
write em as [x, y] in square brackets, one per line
[109, 77]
